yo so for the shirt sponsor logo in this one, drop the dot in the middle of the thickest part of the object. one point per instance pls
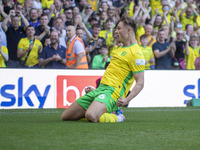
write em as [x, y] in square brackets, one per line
[140, 62]
[123, 53]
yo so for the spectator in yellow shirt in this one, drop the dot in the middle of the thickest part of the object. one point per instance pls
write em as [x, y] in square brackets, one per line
[29, 49]
[188, 16]
[3, 55]
[147, 52]
[191, 51]
[148, 32]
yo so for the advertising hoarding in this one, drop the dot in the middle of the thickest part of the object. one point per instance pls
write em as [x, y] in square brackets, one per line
[45, 88]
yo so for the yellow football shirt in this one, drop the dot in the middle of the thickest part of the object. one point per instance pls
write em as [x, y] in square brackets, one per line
[21, 1]
[149, 39]
[109, 39]
[112, 50]
[124, 63]
[168, 19]
[148, 54]
[140, 31]
[190, 59]
[33, 57]
[154, 5]
[185, 21]
[2, 61]
[47, 3]
[94, 4]
[198, 20]
[131, 7]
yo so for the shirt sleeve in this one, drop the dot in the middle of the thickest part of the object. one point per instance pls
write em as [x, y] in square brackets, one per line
[20, 44]
[4, 49]
[137, 63]
[78, 47]
[43, 54]
[155, 47]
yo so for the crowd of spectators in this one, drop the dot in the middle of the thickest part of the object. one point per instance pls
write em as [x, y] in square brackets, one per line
[81, 33]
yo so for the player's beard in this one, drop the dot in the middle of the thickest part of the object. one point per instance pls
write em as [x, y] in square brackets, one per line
[54, 41]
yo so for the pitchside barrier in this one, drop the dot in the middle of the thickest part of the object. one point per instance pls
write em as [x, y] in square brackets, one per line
[49, 88]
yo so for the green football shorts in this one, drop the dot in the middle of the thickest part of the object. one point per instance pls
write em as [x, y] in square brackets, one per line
[102, 94]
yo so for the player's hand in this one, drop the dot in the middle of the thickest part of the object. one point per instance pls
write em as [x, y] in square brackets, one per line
[1, 8]
[31, 46]
[187, 37]
[57, 57]
[12, 13]
[52, 8]
[156, 11]
[39, 49]
[89, 89]
[121, 102]
[99, 42]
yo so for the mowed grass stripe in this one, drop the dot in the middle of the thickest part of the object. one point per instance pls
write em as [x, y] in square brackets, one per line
[144, 129]
[24, 111]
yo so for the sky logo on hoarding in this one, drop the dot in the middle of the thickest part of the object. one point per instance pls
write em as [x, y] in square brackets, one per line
[22, 94]
[70, 88]
[190, 90]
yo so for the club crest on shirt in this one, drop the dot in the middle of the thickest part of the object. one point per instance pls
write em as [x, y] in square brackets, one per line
[140, 62]
[102, 96]
[123, 53]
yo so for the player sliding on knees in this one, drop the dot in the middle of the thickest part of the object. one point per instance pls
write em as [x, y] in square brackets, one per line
[126, 66]
[118, 113]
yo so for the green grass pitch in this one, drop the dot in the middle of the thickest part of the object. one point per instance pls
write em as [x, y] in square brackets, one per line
[144, 129]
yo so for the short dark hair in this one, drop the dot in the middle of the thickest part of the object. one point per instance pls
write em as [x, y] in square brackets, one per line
[96, 25]
[69, 8]
[79, 28]
[104, 46]
[161, 30]
[109, 20]
[143, 36]
[30, 26]
[32, 9]
[187, 26]
[14, 16]
[44, 15]
[130, 22]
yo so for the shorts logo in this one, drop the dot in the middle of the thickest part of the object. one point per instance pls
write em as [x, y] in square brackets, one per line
[140, 62]
[123, 53]
[102, 96]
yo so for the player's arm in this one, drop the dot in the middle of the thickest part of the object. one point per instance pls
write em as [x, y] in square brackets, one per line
[43, 62]
[154, 17]
[182, 12]
[21, 52]
[139, 78]
[159, 54]
[4, 55]
[42, 35]
[24, 20]
[187, 47]
[79, 51]
[5, 22]
[78, 60]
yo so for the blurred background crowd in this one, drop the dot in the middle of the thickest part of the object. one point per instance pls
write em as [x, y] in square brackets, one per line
[81, 33]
